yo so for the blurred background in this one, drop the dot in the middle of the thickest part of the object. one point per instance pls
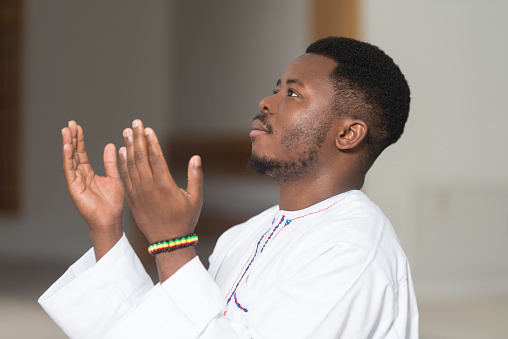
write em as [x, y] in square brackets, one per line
[195, 72]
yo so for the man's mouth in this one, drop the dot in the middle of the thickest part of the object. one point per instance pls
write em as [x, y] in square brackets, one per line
[258, 128]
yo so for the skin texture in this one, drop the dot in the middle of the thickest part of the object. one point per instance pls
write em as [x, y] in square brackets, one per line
[318, 155]
[162, 210]
[100, 200]
[300, 121]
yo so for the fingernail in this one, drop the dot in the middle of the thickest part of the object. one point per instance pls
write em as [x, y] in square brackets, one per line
[127, 133]
[197, 161]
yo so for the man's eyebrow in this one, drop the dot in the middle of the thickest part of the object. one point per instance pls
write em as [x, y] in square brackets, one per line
[295, 81]
[291, 81]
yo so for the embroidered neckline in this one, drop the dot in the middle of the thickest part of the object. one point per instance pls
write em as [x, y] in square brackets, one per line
[232, 292]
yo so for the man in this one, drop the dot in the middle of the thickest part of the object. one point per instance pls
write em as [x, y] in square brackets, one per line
[324, 263]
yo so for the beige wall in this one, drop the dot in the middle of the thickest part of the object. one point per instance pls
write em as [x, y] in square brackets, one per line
[445, 184]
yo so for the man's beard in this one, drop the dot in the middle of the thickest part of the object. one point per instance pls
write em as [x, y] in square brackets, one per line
[286, 171]
[283, 171]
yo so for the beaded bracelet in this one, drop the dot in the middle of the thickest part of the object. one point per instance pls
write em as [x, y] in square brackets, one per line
[173, 244]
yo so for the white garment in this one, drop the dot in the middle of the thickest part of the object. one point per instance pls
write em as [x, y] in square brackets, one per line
[336, 270]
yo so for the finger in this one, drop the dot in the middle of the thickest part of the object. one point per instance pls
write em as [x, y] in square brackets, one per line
[125, 172]
[111, 162]
[130, 163]
[82, 157]
[67, 157]
[158, 164]
[141, 151]
[195, 180]
[73, 128]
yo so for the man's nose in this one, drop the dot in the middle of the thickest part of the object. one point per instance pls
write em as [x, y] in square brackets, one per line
[269, 105]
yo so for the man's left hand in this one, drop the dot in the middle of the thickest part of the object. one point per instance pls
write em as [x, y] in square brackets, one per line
[162, 210]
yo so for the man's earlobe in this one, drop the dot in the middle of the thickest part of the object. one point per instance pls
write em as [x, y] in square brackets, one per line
[351, 134]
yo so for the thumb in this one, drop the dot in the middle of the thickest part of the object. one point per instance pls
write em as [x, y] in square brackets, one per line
[195, 179]
[110, 161]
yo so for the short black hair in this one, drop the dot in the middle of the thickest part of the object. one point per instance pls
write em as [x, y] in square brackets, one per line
[368, 86]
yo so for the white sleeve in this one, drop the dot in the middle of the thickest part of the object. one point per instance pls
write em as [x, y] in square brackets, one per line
[337, 291]
[326, 298]
[91, 296]
[182, 307]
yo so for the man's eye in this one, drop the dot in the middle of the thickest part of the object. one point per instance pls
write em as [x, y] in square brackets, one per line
[292, 93]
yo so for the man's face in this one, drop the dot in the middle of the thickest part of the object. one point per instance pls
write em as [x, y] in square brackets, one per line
[288, 136]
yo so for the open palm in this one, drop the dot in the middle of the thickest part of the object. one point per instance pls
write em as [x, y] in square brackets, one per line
[100, 200]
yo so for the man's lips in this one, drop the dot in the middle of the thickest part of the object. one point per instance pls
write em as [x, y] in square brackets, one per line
[258, 129]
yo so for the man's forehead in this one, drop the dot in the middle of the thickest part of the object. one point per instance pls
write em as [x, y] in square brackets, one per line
[307, 67]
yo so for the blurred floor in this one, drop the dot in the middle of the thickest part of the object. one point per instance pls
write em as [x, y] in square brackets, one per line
[21, 316]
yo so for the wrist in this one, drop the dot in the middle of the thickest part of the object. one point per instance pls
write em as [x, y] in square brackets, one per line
[105, 238]
[107, 228]
[168, 263]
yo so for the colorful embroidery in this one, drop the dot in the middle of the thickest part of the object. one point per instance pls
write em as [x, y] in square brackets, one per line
[232, 295]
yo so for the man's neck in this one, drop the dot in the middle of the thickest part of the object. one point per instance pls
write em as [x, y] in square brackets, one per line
[301, 194]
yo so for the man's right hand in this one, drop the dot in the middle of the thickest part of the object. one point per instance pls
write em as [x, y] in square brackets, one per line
[100, 200]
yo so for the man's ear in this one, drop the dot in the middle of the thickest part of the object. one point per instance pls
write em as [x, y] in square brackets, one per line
[350, 134]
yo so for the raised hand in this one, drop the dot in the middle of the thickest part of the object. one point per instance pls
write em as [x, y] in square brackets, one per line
[162, 210]
[100, 200]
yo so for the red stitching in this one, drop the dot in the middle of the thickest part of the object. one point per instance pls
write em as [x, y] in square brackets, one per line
[241, 271]
[288, 221]
[324, 209]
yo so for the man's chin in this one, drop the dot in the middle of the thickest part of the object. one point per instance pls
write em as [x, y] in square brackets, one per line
[258, 164]
[280, 170]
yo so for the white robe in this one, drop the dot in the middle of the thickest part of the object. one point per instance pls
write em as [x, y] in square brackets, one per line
[336, 270]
